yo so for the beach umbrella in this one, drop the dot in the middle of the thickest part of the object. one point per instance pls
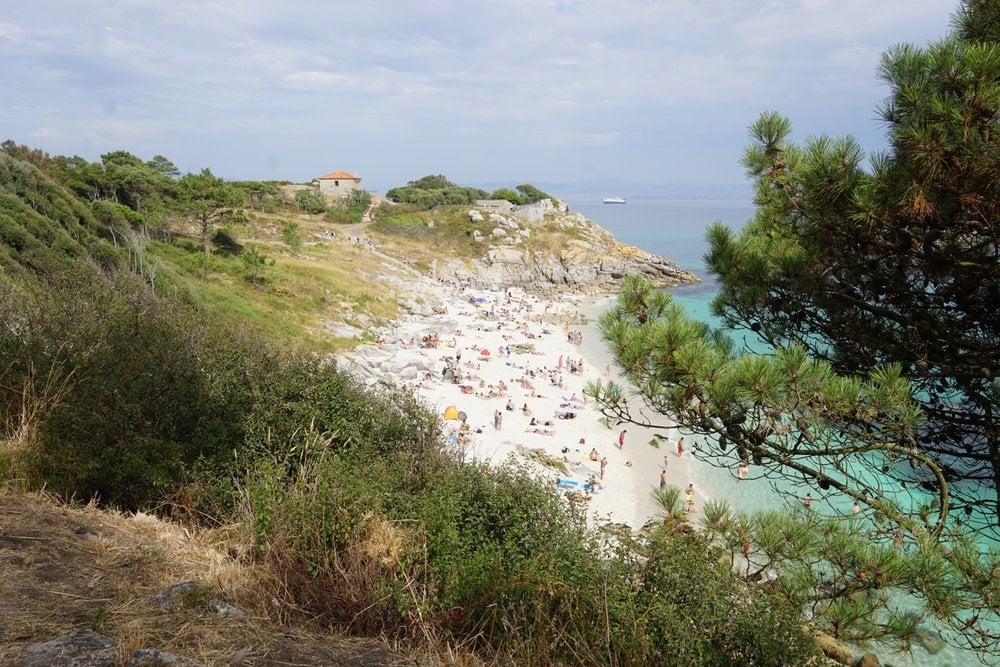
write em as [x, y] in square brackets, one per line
[451, 412]
[485, 352]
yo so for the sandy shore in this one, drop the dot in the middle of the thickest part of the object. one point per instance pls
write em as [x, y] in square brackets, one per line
[524, 361]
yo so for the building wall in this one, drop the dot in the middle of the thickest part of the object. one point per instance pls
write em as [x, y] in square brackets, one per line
[499, 205]
[340, 187]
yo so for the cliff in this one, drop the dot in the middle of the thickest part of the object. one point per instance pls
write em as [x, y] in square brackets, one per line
[545, 246]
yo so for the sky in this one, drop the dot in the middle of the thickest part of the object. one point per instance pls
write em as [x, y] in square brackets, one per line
[504, 91]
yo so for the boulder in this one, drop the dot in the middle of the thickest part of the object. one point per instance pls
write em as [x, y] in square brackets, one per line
[342, 329]
[930, 639]
[80, 648]
[165, 599]
[225, 609]
[475, 216]
[869, 660]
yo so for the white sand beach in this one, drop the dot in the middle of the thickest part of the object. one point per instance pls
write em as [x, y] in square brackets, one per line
[524, 360]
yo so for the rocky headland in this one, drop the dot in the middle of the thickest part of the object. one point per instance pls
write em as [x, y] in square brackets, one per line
[588, 257]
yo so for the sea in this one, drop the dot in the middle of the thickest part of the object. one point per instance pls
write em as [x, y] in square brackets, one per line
[675, 228]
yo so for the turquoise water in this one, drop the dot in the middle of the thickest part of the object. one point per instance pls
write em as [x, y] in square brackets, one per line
[675, 228]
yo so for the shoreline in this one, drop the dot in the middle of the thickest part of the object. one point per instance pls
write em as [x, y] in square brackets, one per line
[549, 339]
[539, 330]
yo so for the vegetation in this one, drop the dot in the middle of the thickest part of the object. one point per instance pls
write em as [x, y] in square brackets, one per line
[444, 232]
[431, 191]
[117, 391]
[126, 381]
[875, 290]
[896, 265]
[310, 201]
[363, 521]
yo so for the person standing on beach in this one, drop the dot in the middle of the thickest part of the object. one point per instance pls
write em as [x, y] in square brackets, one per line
[807, 501]
[689, 497]
[680, 447]
[604, 464]
[621, 439]
[663, 478]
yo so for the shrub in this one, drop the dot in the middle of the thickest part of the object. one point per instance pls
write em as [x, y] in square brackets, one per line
[291, 236]
[311, 201]
[137, 407]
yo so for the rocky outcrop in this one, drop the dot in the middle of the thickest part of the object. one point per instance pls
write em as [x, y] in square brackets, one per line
[84, 648]
[588, 256]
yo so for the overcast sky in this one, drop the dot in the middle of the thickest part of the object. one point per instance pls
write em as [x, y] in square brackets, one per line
[537, 91]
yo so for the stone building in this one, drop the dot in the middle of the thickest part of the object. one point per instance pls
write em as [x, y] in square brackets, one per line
[338, 184]
[498, 205]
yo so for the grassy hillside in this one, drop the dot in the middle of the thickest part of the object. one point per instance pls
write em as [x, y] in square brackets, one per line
[146, 375]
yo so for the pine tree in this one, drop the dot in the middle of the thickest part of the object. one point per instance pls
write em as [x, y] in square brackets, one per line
[877, 287]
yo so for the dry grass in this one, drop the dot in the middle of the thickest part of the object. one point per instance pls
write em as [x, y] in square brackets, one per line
[68, 568]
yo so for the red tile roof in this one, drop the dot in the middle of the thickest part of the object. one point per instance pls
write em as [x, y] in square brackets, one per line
[340, 175]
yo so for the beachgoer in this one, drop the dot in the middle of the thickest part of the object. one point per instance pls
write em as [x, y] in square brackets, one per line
[807, 501]
[604, 464]
[742, 470]
[689, 497]
[621, 439]
[663, 478]
[680, 447]
[856, 509]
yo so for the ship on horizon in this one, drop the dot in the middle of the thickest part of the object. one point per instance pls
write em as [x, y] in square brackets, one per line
[613, 200]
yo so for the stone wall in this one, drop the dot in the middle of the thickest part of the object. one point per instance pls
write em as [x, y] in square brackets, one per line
[338, 187]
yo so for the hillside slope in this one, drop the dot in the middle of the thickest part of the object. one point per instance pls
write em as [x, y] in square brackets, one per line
[68, 569]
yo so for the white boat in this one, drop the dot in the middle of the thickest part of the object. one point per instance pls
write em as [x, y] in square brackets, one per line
[614, 200]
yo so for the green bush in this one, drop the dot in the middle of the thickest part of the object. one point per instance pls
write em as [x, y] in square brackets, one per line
[508, 194]
[310, 201]
[364, 541]
[698, 612]
[291, 236]
[126, 386]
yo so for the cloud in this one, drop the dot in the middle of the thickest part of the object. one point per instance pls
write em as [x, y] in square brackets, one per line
[587, 138]
[510, 84]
